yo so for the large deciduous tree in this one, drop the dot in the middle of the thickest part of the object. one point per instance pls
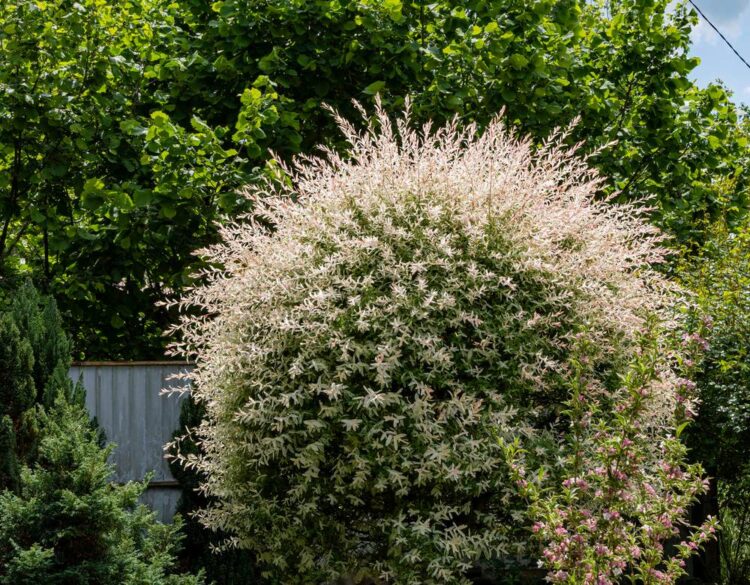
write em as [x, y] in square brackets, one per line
[621, 65]
[102, 196]
[126, 128]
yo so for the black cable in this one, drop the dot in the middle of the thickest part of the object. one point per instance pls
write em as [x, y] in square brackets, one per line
[723, 38]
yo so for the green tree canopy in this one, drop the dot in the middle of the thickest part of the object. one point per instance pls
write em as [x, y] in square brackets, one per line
[622, 66]
[126, 128]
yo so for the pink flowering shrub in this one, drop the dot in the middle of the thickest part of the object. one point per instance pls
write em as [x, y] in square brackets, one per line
[617, 510]
[385, 317]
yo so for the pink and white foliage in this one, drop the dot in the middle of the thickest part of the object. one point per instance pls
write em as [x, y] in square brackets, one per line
[618, 511]
[380, 320]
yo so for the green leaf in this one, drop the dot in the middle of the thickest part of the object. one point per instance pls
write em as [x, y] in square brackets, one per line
[160, 118]
[93, 185]
[518, 61]
[168, 210]
[142, 197]
[374, 87]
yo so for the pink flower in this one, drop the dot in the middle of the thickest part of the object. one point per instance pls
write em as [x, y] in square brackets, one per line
[660, 576]
[685, 384]
[665, 521]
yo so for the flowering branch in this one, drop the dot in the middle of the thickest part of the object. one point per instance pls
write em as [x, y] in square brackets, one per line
[624, 490]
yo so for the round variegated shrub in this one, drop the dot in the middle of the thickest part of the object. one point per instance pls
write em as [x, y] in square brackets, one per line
[377, 328]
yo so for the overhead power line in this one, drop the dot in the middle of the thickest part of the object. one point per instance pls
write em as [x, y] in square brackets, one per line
[723, 38]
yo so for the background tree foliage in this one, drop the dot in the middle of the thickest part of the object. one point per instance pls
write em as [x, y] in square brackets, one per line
[103, 197]
[621, 65]
[126, 128]
[719, 276]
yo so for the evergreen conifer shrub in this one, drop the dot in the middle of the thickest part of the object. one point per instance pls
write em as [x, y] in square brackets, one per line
[383, 324]
[34, 363]
[62, 520]
[68, 524]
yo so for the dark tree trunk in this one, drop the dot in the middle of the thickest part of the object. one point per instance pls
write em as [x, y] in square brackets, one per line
[707, 564]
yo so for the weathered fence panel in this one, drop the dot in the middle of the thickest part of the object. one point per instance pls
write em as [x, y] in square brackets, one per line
[127, 400]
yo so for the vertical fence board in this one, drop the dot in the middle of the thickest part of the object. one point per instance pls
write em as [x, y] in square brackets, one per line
[127, 402]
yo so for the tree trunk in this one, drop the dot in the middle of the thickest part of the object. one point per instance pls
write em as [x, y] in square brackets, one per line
[707, 565]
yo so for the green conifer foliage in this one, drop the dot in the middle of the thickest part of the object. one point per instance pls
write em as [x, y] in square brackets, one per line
[69, 525]
[17, 394]
[34, 363]
[8, 462]
[38, 319]
[61, 518]
[16, 366]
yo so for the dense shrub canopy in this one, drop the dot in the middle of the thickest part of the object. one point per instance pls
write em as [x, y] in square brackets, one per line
[720, 279]
[68, 524]
[62, 521]
[411, 305]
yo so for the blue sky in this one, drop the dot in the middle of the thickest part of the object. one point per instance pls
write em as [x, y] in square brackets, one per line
[732, 17]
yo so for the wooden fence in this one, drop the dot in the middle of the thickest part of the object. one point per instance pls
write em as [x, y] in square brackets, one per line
[126, 399]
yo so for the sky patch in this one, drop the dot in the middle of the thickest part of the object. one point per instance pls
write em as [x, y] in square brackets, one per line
[718, 62]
